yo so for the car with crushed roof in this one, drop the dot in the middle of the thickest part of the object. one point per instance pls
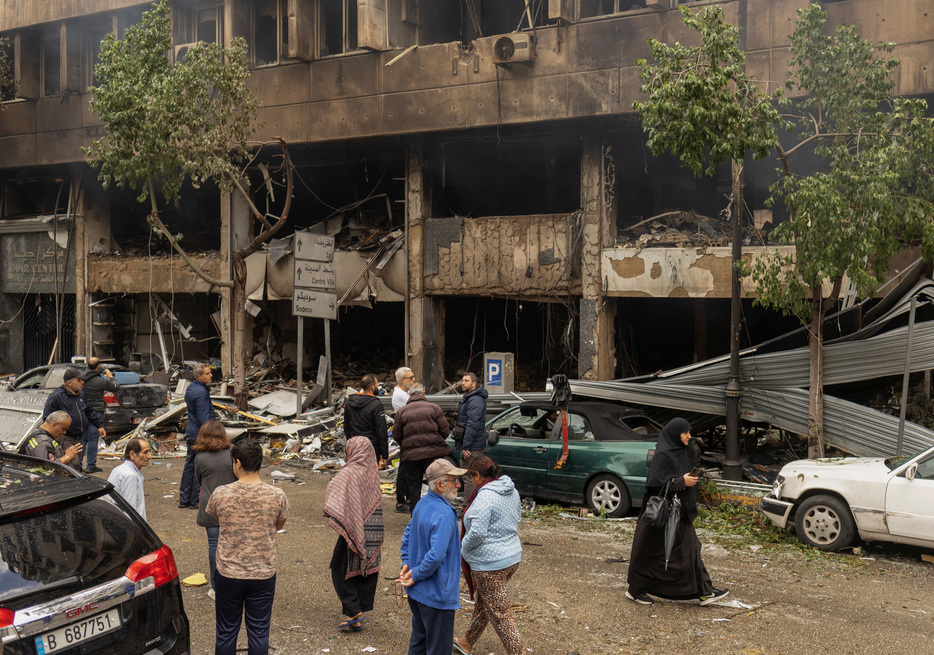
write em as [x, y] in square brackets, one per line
[124, 409]
[80, 570]
[607, 448]
[831, 501]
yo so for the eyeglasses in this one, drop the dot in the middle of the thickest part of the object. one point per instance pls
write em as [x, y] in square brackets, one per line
[408, 377]
[398, 593]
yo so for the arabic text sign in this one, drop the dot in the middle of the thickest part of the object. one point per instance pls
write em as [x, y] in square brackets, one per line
[314, 247]
[28, 264]
[314, 304]
[314, 275]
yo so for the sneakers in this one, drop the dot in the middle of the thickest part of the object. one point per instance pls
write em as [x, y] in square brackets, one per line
[714, 596]
[93, 469]
[211, 594]
[402, 508]
[642, 599]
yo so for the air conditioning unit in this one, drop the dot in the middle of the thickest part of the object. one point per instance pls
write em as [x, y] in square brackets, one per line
[180, 52]
[512, 48]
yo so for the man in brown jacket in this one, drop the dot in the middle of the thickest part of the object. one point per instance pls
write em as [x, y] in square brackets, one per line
[420, 430]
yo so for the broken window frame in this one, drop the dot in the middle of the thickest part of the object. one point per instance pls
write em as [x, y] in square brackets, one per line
[96, 34]
[349, 23]
[281, 36]
[196, 20]
[50, 64]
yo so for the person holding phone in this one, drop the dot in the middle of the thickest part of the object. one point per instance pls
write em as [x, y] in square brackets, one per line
[684, 576]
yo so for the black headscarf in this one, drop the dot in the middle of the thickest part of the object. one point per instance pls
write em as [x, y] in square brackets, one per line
[672, 459]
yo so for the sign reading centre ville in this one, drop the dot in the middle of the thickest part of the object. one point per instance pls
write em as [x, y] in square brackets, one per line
[314, 279]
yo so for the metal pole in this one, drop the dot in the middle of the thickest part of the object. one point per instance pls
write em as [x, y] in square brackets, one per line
[732, 467]
[904, 404]
[327, 354]
[298, 374]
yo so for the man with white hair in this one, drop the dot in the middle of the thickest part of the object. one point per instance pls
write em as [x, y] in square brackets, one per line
[405, 378]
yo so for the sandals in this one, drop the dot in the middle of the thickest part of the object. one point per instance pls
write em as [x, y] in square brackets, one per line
[352, 624]
[457, 647]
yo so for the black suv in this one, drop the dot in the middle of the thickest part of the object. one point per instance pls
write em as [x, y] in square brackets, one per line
[80, 570]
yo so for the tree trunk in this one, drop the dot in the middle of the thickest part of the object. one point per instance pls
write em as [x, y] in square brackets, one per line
[816, 361]
[241, 343]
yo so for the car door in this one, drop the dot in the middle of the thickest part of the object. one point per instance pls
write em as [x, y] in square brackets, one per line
[522, 449]
[584, 453]
[908, 508]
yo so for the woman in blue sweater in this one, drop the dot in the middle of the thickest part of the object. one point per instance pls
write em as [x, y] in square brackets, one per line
[491, 553]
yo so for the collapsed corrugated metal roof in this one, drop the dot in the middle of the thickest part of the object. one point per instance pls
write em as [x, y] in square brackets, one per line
[775, 383]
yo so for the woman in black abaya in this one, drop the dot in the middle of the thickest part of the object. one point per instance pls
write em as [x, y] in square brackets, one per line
[685, 576]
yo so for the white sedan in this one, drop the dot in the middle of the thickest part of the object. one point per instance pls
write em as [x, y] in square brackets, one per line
[832, 500]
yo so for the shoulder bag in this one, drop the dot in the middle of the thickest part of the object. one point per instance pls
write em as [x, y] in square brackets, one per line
[657, 509]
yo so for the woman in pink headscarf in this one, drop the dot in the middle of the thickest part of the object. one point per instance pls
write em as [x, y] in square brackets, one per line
[352, 505]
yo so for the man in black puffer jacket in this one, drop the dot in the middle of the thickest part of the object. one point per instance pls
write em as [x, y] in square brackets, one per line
[364, 416]
[420, 430]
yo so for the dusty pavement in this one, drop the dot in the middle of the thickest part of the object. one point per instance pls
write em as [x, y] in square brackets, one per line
[570, 598]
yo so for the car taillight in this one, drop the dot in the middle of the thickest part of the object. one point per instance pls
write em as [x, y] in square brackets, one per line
[7, 631]
[110, 399]
[160, 566]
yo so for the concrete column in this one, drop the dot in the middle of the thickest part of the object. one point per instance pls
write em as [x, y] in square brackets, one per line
[597, 355]
[426, 314]
[92, 234]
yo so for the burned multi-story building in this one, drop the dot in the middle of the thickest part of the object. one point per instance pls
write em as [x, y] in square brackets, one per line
[479, 161]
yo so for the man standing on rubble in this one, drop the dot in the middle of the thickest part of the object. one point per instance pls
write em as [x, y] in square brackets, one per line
[200, 411]
[471, 421]
[96, 384]
[364, 416]
[405, 378]
[70, 398]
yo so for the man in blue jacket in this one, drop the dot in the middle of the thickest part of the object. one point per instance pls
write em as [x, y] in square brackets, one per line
[471, 413]
[70, 399]
[431, 556]
[200, 411]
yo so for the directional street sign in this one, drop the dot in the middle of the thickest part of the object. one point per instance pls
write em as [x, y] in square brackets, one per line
[314, 304]
[314, 247]
[314, 275]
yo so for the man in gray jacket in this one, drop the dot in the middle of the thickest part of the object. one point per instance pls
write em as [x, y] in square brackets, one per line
[96, 383]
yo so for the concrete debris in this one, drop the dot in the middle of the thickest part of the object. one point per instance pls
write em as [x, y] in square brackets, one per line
[686, 229]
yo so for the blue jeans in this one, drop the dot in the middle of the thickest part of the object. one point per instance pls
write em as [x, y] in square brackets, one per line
[213, 534]
[254, 597]
[90, 446]
[188, 489]
[432, 630]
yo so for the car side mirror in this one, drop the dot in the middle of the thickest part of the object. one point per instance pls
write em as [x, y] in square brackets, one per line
[492, 438]
[910, 473]
[648, 457]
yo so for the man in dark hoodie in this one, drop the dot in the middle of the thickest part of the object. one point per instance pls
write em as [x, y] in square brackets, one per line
[471, 413]
[70, 399]
[96, 384]
[364, 416]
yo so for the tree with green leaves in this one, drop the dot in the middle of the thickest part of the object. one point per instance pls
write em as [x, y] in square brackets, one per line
[873, 194]
[7, 79]
[169, 122]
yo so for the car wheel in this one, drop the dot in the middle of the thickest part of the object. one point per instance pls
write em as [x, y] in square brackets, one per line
[825, 522]
[606, 493]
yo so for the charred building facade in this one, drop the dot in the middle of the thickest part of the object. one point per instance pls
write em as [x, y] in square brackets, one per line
[479, 162]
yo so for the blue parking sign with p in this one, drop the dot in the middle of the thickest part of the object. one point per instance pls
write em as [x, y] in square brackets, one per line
[494, 372]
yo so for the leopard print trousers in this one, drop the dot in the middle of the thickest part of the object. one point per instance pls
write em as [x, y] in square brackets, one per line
[492, 606]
